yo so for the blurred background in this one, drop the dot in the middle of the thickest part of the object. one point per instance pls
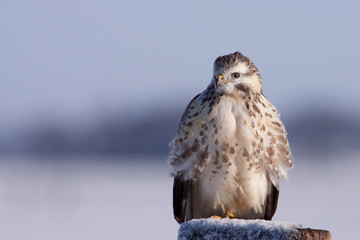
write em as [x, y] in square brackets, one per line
[91, 92]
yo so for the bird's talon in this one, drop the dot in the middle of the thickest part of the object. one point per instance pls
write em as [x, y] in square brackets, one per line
[229, 214]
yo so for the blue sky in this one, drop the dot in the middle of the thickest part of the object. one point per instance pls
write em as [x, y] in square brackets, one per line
[68, 60]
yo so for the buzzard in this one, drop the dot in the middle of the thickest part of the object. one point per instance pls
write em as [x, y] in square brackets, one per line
[230, 149]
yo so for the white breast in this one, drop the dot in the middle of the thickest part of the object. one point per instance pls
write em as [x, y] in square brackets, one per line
[227, 181]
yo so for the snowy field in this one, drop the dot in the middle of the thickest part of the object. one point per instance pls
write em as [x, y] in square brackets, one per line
[131, 198]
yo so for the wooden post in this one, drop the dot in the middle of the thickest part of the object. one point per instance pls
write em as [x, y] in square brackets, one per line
[314, 234]
[211, 228]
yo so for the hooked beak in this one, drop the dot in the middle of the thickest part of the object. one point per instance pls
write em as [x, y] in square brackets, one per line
[220, 80]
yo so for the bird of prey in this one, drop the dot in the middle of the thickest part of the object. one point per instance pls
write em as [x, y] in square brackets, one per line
[231, 148]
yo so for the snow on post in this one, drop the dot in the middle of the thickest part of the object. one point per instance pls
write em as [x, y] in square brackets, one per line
[218, 229]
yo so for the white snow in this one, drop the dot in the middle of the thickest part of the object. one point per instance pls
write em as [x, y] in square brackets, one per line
[130, 198]
[213, 228]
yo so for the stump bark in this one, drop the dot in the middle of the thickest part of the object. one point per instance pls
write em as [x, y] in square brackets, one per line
[314, 234]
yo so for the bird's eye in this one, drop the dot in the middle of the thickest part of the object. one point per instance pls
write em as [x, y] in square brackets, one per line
[235, 75]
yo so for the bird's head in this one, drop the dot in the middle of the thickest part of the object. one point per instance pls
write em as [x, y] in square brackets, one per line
[235, 71]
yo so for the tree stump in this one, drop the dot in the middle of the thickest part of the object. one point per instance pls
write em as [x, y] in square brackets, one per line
[314, 234]
[239, 229]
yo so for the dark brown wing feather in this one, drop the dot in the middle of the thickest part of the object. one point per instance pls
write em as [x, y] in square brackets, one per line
[271, 203]
[182, 200]
[182, 190]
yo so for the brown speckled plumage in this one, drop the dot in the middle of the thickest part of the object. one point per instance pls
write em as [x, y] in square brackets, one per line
[230, 142]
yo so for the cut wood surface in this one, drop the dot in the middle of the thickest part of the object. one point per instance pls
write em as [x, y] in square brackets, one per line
[314, 234]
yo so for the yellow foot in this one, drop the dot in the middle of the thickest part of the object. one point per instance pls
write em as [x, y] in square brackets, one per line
[216, 217]
[229, 214]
